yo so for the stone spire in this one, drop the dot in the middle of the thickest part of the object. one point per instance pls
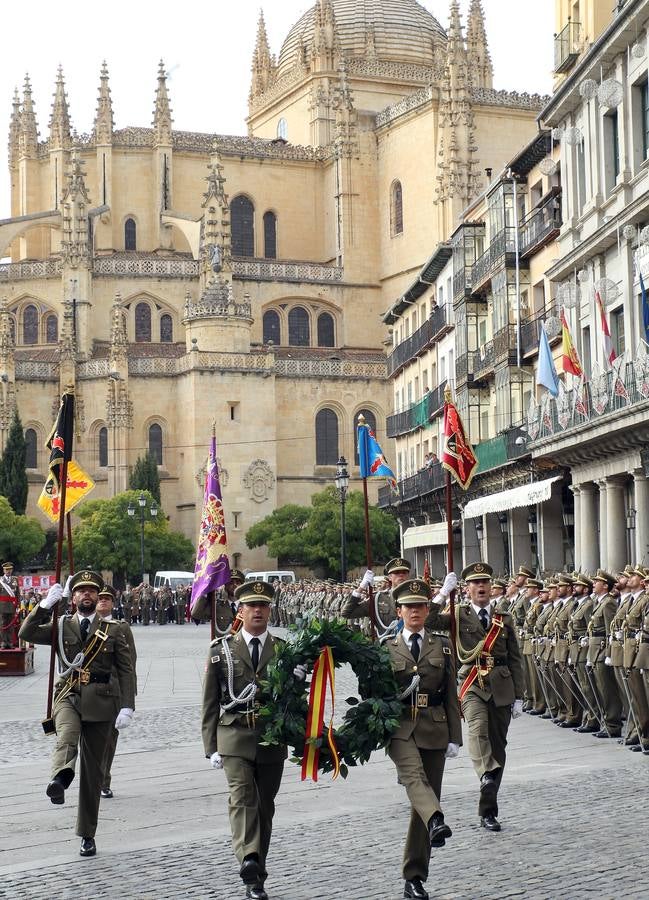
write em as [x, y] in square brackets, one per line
[479, 60]
[28, 136]
[104, 122]
[216, 251]
[7, 368]
[458, 178]
[118, 335]
[162, 110]
[325, 50]
[75, 200]
[68, 337]
[346, 139]
[14, 131]
[60, 117]
[263, 63]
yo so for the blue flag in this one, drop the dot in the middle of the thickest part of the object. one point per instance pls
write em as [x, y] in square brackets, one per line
[547, 373]
[645, 309]
[371, 460]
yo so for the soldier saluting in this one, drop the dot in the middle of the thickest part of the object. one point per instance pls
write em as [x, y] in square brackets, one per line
[86, 703]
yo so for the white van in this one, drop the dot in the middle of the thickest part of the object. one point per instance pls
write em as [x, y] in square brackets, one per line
[271, 577]
[172, 579]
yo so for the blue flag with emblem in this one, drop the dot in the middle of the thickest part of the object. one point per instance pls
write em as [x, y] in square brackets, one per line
[371, 460]
[547, 373]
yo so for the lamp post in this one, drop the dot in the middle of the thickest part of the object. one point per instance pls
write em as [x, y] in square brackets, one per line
[342, 484]
[141, 502]
[532, 524]
[568, 517]
[503, 521]
[479, 532]
[630, 529]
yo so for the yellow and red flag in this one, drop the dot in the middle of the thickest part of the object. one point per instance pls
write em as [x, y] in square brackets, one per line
[323, 676]
[458, 457]
[78, 486]
[570, 357]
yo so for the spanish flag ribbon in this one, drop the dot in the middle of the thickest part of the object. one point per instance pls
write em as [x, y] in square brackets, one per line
[323, 676]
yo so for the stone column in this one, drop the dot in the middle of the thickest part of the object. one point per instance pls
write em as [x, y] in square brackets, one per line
[603, 523]
[641, 501]
[519, 538]
[588, 540]
[615, 534]
[576, 491]
[492, 543]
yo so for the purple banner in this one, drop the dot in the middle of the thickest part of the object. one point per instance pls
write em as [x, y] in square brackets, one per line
[212, 563]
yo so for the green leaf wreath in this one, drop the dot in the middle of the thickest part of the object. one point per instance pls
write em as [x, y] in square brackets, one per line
[367, 725]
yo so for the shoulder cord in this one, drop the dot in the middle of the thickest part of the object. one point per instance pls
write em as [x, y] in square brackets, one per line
[412, 687]
[77, 663]
[247, 695]
[466, 657]
[379, 621]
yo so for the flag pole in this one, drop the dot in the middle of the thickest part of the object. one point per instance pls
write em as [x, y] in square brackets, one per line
[449, 541]
[68, 523]
[48, 724]
[212, 596]
[368, 540]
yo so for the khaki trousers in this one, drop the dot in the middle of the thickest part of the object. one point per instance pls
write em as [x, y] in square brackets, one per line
[251, 805]
[591, 712]
[420, 772]
[609, 697]
[88, 741]
[488, 725]
[534, 690]
[109, 756]
[636, 686]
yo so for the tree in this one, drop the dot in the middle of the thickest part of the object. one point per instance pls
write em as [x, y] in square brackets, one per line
[13, 476]
[144, 476]
[108, 538]
[21, 538]
[311, 535]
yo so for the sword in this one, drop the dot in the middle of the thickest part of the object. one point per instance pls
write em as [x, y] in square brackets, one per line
[590, 675]
[629, 699]
[586, 701]
[578, 696]
[542, 683]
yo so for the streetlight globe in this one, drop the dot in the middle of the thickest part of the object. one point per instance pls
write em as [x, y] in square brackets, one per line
[154, 509]
[130, 509]
[142, 500]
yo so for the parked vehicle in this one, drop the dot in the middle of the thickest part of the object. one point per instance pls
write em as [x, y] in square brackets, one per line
[271, 576]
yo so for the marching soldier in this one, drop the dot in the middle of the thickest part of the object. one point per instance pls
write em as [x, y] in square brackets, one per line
[430, 730]
[105, 608]
[535, 703]
[602, 678]
[578, 653]
[87, 701]
[500, 602]
[641, 665]
[572, 709]
[236, 665]
[491, 684]
[396, 571]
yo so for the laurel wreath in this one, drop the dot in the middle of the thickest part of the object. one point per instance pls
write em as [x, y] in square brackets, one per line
[367, 725]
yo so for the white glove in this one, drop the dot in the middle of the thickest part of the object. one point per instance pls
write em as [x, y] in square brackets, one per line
[608, 661]
[124, 718]
[66, 589]
[367, 579]
[300, 672]
[452, 751]
[589, 664]
[517, 709]
[570, 660]
[215, 761]
[619, 635]
[52, 597]
[450, 583]
[583, 642]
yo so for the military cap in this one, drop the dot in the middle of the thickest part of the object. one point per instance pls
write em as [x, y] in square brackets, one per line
[501, 583]
[478, 571]
[396, 565]
[415, 590]
[565, 580]
[534, 583]
[436, 584]
[550, 583]
[8, 565]
[108, 591]
[626, 571]
[640, 570]
[526, 571]
[546, 587]
[584, 581]
[86, 578]
[255, 592]
[237, 575]
[606, 577]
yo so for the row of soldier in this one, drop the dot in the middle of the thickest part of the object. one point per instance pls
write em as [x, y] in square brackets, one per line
[143, 605]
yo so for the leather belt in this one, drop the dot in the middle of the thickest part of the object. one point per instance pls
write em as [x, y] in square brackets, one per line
[424, 699]
[86, 677]
[599, 633]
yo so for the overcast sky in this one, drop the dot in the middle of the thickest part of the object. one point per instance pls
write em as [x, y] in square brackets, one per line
[207, 52]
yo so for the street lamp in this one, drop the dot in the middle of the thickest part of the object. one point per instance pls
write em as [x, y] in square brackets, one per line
[479, 532]
[342, 484]
[141, 501]
[533, 527]
[504, 523]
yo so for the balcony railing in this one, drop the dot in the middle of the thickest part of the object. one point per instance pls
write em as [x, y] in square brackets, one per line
[419, 415]
[566, 47]
[608, 396]
[500, 450]
[432, 328]
[531, 329]
[483, 360]
[505, 342]
[418, 485]
[31, 269]
[541, 226]
[494, 256]
[462, 283]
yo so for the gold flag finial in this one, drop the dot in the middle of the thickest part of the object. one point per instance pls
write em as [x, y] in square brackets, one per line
[448, 394]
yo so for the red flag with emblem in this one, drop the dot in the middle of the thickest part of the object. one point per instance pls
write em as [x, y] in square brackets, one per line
[458, 457]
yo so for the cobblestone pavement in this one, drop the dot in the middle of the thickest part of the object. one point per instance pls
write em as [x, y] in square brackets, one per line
[573, 811]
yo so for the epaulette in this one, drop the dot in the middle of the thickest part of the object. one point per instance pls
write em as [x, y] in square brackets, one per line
[224, 637]
[442, 634]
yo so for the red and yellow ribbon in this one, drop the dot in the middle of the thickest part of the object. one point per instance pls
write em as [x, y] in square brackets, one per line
[323, 675]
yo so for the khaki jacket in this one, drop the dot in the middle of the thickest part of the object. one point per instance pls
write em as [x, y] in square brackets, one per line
[599, 627]
[632, 625]
[519, 608]
[98, 701]
[561, 650]
[577, 629]
[642, 657]
[433, 727]
[527, 629]
[233, 733]
[615, 644]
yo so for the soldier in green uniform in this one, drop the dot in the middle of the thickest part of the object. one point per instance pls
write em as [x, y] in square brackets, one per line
[641, 665]
[491, 684]
[236, 665]
[430, 730]
[578, 653]
[500, 602]
[105, 608]
[535, 697]
[87, 700]
[9, 608]
[599, 629]
[638, 720]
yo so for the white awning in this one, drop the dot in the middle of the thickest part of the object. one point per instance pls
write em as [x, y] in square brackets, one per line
[525, 495]
[425, 536]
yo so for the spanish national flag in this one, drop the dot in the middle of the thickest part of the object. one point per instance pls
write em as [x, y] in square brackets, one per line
[570, 358]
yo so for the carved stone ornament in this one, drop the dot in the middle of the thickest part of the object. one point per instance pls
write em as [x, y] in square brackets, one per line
[258, 480]
[202, 472]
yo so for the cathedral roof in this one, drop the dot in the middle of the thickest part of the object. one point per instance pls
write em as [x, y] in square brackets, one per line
[402, 31]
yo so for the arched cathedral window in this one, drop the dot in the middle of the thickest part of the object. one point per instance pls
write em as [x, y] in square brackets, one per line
[396, 208]
[242, 226]
[130, 235]
[142, 322]
[30, 325]
[326, 438]
[299, 334]
[271, 327]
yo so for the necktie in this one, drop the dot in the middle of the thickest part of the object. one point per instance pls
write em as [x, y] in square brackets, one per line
[254, 652]
[414, 645]
[85, 628]
[484, 618]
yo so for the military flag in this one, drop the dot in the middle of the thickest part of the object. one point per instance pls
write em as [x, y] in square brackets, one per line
[371, 460]
[546, 373]
[570, 357]
[458, 457]
[212, 569]
[609, 352]
[78, 486]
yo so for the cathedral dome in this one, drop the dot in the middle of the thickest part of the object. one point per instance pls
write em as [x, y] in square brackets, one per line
[402, 30]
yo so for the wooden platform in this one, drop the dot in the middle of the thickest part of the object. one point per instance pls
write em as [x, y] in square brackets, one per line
[17, 662]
